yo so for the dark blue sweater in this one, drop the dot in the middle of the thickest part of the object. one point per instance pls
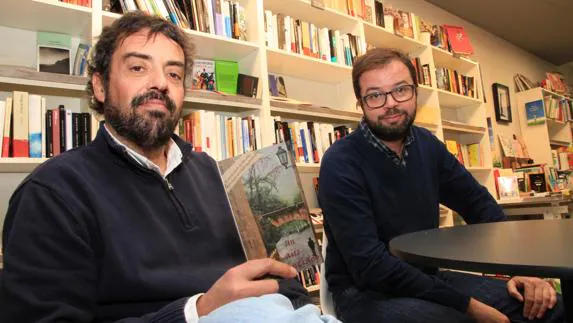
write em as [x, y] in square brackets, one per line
[91, 235]
[367, 200]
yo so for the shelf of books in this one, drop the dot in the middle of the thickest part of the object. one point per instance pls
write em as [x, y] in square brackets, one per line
[48, 15]
[462, 128]
[302, 10]
[28, 79]
[381, 37]
[218, 101]
[443, 58]
[545, 119]
[306, 67]
[453, 100]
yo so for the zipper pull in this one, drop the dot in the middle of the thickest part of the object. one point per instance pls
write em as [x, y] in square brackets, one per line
[169, 186]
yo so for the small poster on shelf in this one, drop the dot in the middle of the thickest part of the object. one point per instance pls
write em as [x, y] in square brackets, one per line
[535, 113]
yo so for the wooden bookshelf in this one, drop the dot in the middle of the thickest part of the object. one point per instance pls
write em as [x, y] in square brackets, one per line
[308, 168]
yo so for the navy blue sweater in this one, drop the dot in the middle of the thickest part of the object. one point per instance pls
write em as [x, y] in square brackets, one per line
[367, 200]
[91, 235]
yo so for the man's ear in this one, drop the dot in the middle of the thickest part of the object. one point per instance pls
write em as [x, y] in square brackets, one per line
[99, 89]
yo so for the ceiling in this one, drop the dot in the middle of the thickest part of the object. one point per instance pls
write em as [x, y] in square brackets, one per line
[541, 27]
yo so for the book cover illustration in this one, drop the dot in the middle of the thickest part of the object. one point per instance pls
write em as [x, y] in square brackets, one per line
[54, 53]
[535, 113]
[459, 42]
[269, 207]
[204, 75]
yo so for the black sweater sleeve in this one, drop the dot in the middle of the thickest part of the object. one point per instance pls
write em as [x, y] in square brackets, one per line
[50, 271]
[349, 215]
[460, 191]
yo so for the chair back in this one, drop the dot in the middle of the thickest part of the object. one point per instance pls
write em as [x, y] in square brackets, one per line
[326, 301]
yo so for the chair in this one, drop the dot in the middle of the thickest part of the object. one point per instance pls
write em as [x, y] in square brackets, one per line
[326, 301]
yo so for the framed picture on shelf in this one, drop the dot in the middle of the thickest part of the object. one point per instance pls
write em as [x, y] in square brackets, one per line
[501, 102]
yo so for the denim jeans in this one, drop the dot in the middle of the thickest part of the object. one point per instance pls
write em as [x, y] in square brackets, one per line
[370, 306]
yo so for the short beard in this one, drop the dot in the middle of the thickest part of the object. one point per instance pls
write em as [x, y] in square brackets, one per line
[148, 132]
[396, 133]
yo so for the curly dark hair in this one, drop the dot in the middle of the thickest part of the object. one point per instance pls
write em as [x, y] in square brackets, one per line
[111, 36]
[376, 58]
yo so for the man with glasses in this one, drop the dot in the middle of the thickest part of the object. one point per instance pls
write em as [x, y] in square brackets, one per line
[386, 179]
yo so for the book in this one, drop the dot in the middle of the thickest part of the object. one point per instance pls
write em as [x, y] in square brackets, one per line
[247, 85]
[535, 113]
[227, 75]
[458, 40]
[269, 207]
[204, 75]
[54, 53]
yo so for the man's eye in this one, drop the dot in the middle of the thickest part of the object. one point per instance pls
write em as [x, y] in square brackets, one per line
[136, 68]
[400, 89]
[375, 95]
[175, 76]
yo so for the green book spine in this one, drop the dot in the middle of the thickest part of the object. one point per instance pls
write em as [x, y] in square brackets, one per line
[226, 74]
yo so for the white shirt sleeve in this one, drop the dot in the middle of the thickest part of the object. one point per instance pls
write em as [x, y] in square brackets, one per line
[190, 309]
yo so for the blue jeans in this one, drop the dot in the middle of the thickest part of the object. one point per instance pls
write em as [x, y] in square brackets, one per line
[370, 306]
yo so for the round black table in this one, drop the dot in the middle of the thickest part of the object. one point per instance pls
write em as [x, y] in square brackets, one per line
[541, 248]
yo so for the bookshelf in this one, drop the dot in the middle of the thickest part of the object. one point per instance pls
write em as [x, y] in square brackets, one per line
[326, 87]
[541, 139]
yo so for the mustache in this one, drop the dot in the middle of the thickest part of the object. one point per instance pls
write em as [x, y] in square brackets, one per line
[153, 95]
[391, 112]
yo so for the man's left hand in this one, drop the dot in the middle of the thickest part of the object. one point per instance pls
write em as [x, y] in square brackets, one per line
[538, 295]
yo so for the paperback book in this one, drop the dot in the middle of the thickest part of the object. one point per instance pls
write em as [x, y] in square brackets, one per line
[269, 207]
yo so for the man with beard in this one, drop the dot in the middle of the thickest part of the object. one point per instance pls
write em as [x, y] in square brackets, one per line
[387, 178]
[134, 226]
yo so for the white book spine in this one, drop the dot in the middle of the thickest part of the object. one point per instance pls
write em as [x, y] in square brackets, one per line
[2, 117]
[35, 125]
[69, 130]
[43, 125]
[258, 136]
[287, 31]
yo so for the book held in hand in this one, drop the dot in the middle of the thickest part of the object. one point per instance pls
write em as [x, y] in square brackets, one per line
[269, 207]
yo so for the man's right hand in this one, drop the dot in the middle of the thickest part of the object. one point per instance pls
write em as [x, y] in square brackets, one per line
[483, 313]
[242, 282]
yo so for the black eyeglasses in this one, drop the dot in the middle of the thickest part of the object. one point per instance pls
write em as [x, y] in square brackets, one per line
[376, 100]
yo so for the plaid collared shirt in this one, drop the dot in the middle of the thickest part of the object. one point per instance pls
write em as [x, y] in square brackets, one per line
[382, 147]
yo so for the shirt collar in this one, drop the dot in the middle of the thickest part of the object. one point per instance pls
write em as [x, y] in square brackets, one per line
[378, 144]
[174, 156]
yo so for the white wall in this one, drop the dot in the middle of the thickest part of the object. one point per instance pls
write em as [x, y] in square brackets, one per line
[499, 60]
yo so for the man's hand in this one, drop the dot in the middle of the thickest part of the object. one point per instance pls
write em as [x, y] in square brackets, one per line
[483, 313]
[241, 282]
[538, 295]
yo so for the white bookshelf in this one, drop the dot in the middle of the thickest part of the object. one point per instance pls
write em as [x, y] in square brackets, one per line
[46, 15]
[19, 165]
[542, 138]
[310, 68]
[325, 86]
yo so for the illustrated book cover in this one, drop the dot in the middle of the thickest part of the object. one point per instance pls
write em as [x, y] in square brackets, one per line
[269, 207]
[54, 53]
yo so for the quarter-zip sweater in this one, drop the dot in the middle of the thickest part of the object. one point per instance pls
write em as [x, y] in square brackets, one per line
[368, 199]
[91, 235]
